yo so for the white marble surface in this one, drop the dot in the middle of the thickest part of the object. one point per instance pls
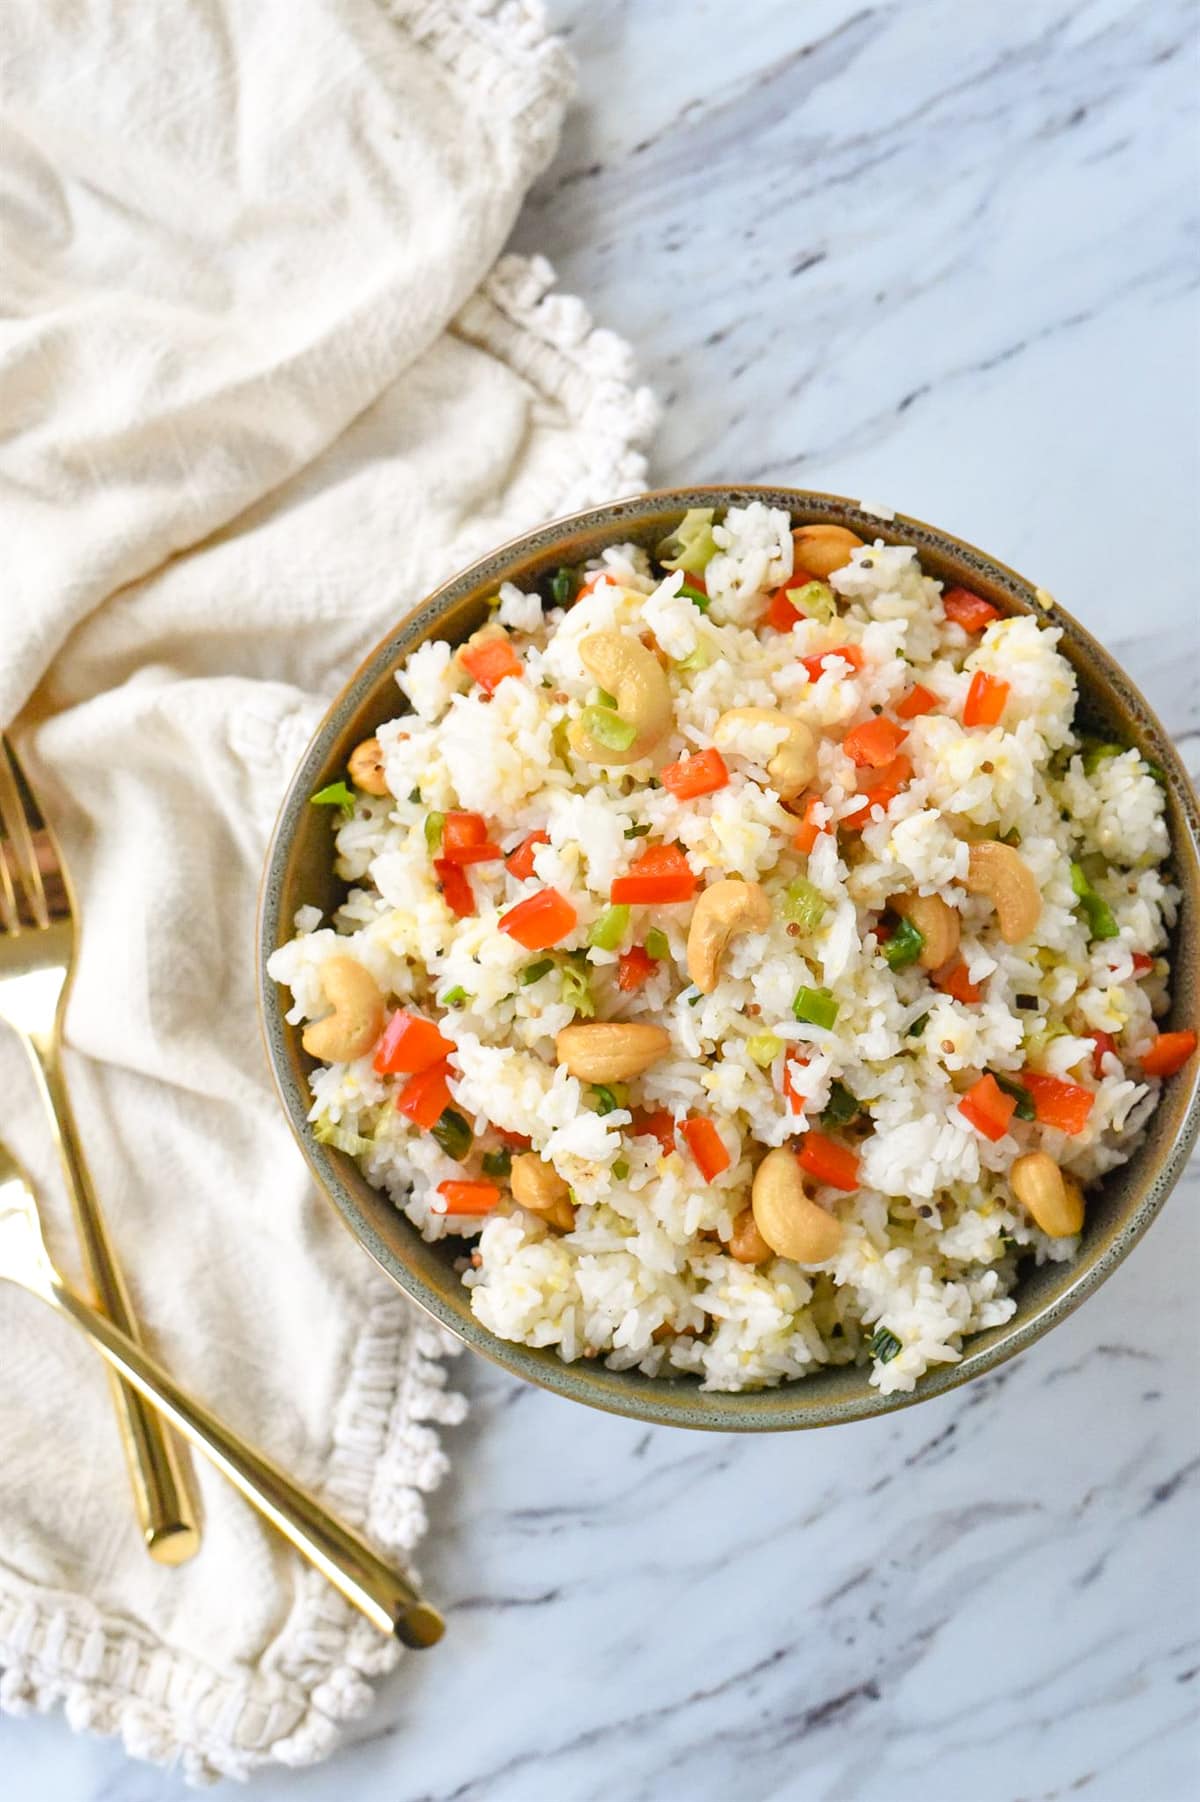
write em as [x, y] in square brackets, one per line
[934, 255]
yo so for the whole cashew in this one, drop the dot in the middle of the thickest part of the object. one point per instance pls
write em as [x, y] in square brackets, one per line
[365, 767]
[1053, 1198]
[538, 1187]
[622, 664]
[996, 870]
[747, 1244]
[785, 1214]
[357, 1018]
[720, 911]
[793, 764]
[609, 1050]
[822, 549]
[937, 922]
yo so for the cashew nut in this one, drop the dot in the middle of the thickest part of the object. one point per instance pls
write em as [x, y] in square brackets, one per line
[725, 908]
[624, 667]
[822, 549]
[997, 871]
[357, 1018]
[609, 1050]
[792, 765]
[747, 1244]
[365, 767]
[1053, 1198]
[785, 1214]
[937, 922]
[538, 1187]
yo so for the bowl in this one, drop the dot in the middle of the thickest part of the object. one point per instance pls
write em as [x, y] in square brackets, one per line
[298, 872]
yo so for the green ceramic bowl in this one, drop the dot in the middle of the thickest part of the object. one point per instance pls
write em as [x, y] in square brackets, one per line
[299, 871]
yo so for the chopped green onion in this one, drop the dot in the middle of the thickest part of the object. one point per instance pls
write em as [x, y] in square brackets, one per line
[535, 972]
[455, 997]
[1099, 915]
[1022, 1097]
[609, 1097]
[816, 1007]
[696, 596]
[693, 997]
[636, 831]
[842, 1106]
[563, 584]
[658, 946]
[1097, 751]
[606, 932]
[340, 1137]
[498, 1163]
[336, 795]
[620, 1169]
[904, 947]
[434, 826]
[691, 546]
[602, 698]
[885, 1345]
[1156, 770]
[803, 904]
[453, 1134]
[918, 1027]
[698, 659]
[576, 992]
[1011, 837]
[608, 728]
[815, 600]
[560, 740]
[764, 1048]
[414, 794]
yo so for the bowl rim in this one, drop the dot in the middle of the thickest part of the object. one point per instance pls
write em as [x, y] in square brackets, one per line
[645, 1398]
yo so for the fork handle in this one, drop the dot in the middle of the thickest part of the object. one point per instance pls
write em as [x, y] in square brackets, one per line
[385, 1596]
[165, 1510]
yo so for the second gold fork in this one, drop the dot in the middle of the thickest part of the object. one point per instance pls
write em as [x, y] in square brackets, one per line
[37, 941]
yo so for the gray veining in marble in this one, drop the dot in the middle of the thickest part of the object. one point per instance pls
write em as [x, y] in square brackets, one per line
[934, 255]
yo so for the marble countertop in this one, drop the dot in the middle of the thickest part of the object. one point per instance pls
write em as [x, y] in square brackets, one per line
[933, 255]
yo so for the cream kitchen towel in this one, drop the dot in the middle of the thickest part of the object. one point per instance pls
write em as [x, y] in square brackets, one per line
[262, 384]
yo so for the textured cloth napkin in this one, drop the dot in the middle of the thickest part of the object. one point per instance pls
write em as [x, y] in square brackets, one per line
[262, 384]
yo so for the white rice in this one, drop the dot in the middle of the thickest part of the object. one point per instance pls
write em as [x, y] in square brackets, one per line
[933, 1236]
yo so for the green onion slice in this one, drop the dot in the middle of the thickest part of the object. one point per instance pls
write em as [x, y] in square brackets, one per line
[1022, 1097]
[607, 931]
[1095, 909]
[434, 826]
[336, 795]
[904, 947]
[816, 1007]
[608, 728]
[842, 1107]
[453, 1134]
[885, 1345]
[658, 945]
[691, 546]
[498, 1163]
[803, 904]
[535, 972]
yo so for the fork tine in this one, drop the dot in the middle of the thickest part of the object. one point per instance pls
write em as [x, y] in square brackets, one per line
[15, 821]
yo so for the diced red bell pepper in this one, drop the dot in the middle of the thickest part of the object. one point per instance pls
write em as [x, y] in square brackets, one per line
[968, 610]
[1104, 1043]
[1169, 1053]
[988, 1108]
[456, 888]
[1142, 964]
[985, 700]
[874, 743]
[540, 920]
[955, 982]
[917, 701]
[425, 1098]
[706, 1146]
[780, 613]
[816, 665]
[660, 875]
[465, 840]
[490, 661]
[467, 1197]
[635, 967]
[828, 1162]
[691, 777]
[796, 1102]
[883, 931]
[409, 1045]
[519, 863]
[601, 575]
[808, 832]
[882, 791]
[514, 1141]
[658, 1124]
[1065, 1105]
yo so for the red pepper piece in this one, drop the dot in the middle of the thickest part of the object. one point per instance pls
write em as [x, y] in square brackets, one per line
[1065, 1105]
[968, 610]
[658, 1124]
[953, 980]
[848, 653]
[706, 1146]
[490, 661]
[540, 920]
[887, 783]
[1169, 1053]
[425, 1098]
[691, 777]
[409, 1045]
[634, 968]
[917, 701]
[1104, 1042]
[988, 1108]
[874, 743]
[467, 1197]
[661, 875]
[456, 888]
[519, 863]
[985, 700]
[828, 1162]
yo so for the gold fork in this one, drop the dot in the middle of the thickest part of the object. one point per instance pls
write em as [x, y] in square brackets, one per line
[382, 1594]
[37, 950]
